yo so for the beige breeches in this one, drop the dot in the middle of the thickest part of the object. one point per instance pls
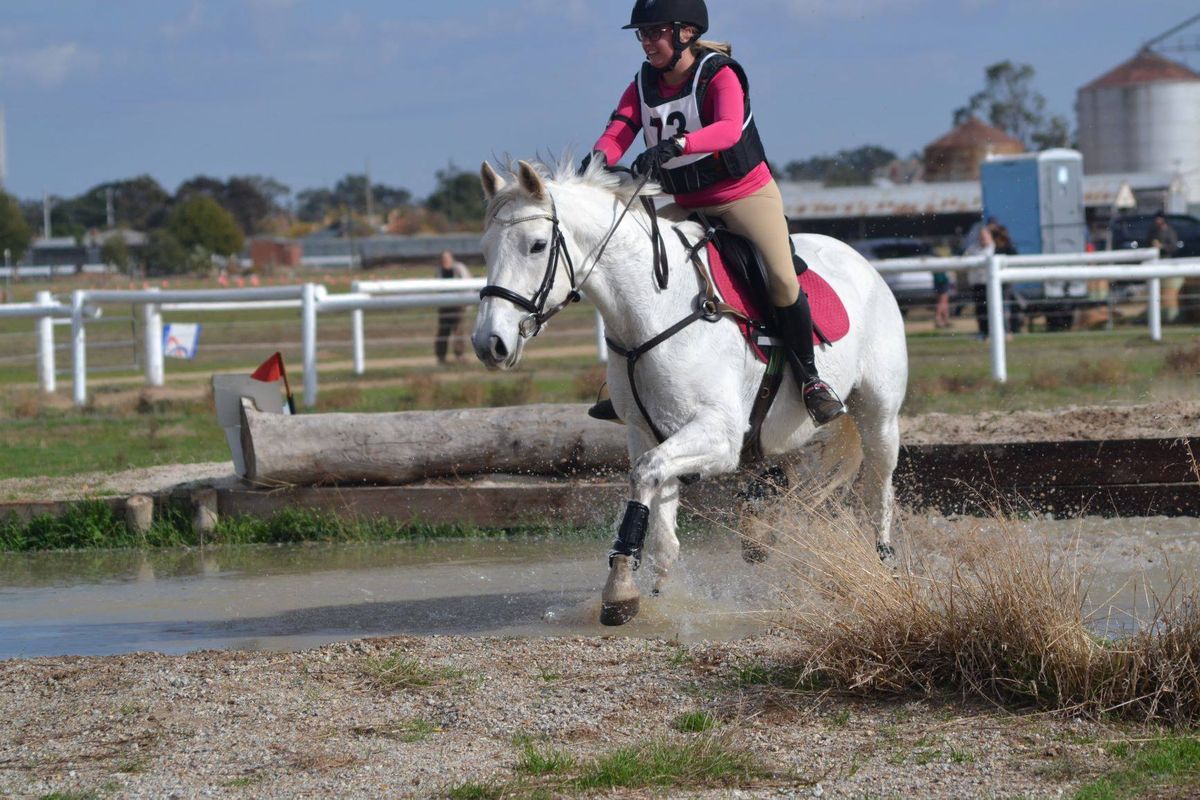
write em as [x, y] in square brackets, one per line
[760, 219]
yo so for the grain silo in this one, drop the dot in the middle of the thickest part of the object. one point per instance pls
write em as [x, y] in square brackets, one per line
[1143, 116]
[957, 155]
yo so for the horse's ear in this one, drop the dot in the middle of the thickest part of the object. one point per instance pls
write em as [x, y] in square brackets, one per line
[530, 180]
[492, 183]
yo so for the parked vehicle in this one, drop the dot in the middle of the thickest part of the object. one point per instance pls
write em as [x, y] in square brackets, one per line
[910, 288]
[1131, 231]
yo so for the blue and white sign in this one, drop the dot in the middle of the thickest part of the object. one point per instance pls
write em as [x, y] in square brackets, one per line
[180, 339]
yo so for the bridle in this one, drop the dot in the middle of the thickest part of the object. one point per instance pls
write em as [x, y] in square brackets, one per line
[539, 315]
[531, 325]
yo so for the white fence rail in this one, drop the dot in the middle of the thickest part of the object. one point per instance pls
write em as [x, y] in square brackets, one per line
[314, 299]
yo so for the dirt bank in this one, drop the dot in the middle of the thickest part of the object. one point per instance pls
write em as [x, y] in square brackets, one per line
[319, 723]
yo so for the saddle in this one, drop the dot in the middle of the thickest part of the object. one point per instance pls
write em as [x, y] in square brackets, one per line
[739, 276]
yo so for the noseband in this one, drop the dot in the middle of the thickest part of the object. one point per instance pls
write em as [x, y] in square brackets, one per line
[536, 306]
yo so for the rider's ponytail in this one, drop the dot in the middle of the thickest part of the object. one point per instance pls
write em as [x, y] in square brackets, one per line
[700, 46]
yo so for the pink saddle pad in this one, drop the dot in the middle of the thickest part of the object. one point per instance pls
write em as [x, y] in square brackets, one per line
[827, 310]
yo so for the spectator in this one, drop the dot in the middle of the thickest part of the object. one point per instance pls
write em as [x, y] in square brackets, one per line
[941, 310]
[1163, 236]
[979, 242]
[449, 328]
[1005, 247]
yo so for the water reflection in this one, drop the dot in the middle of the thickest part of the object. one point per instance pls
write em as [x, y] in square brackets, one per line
[293, 596]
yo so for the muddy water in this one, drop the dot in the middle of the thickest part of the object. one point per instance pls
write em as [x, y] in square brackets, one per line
[291, 597]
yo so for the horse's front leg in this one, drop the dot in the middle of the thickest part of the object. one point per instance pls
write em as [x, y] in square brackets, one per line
[708, 445]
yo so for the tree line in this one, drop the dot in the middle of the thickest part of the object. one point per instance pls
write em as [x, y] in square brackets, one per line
[207, 216]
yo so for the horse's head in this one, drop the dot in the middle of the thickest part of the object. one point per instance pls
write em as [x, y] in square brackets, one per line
[529, 271]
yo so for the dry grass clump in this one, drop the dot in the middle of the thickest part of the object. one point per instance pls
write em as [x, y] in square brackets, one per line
[1183, 360]
[1001, 619]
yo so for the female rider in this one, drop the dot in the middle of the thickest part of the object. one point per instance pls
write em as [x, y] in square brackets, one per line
[691, 102]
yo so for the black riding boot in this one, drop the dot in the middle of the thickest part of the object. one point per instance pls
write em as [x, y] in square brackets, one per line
[795, 326]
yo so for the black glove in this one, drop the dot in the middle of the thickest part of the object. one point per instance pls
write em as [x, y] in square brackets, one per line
[650, 162]
[592, 156]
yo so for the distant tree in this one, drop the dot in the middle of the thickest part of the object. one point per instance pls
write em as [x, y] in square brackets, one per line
[457, 196]
[115, 252]
[15, 235]
[251, 199]
[349, 195]
[847, 168]
[139, 203]
[163, 254]
[1009, 102]
[202, 222]
[313, 205]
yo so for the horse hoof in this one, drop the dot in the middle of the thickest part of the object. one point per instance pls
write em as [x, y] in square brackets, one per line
[619, 612]
[887, 554]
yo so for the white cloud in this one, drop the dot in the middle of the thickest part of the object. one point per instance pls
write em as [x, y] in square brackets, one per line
[47, 66]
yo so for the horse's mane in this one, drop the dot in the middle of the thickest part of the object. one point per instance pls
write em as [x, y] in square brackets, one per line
[562, 172]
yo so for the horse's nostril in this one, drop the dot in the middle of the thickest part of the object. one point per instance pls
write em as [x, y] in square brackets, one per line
[498, 348]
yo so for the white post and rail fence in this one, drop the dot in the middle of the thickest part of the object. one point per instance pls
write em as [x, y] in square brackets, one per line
[314, 299]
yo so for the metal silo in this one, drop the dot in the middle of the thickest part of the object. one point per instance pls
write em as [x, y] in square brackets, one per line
[1143, 116]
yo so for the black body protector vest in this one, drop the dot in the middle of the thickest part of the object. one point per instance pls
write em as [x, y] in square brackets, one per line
[664, 118]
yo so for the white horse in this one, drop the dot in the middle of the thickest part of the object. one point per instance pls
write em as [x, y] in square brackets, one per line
[542, 232]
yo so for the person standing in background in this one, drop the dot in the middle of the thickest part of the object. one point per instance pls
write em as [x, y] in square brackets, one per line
[1163, 236]
[449, 328]
[979, 242]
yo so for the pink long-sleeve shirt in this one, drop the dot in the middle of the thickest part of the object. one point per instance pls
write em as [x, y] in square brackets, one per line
[724, 104]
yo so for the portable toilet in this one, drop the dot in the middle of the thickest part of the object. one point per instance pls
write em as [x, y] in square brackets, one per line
[1039, 198]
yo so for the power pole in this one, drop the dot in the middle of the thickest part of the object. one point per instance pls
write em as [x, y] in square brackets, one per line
[46, 215]
[108, 206]
[370, 199]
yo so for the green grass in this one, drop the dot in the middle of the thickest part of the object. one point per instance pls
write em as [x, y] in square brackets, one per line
[93, 525]
[1146, 767]
[788, 678]
[543, 760]
[659, 766]
[399, 672]
[694, 722]
[704, 762]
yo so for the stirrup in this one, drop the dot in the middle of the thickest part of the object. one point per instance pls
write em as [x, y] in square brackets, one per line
[822, 402]
[604, 410]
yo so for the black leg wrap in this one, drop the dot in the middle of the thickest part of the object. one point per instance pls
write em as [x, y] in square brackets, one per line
[632, 534]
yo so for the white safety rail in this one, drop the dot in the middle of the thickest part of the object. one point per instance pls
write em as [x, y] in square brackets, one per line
[1117, 265]
[400, 288]
[314, 299]
[448, 285]
[152, 302]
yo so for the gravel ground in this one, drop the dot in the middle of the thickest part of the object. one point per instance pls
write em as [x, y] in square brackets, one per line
[315, 723]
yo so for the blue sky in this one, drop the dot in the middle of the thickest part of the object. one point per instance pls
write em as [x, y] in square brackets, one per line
[308, 90]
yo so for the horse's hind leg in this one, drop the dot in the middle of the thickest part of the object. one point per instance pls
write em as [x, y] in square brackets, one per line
[879, 429]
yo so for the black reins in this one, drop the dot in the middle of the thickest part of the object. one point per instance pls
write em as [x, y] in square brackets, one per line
[536, 306]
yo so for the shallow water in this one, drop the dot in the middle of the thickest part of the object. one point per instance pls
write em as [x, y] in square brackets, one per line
[296, 596]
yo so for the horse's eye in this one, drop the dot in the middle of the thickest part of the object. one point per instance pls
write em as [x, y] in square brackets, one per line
[538, 246]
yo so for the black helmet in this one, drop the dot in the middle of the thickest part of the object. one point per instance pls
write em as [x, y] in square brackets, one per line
[661, 12]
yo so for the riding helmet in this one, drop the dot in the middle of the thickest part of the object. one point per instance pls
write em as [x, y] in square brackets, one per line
[661, 12]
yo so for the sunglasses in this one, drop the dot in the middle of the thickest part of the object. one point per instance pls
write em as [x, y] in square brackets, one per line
[653, 33]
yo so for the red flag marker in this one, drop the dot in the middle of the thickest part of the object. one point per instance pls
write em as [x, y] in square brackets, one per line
[272, 370]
